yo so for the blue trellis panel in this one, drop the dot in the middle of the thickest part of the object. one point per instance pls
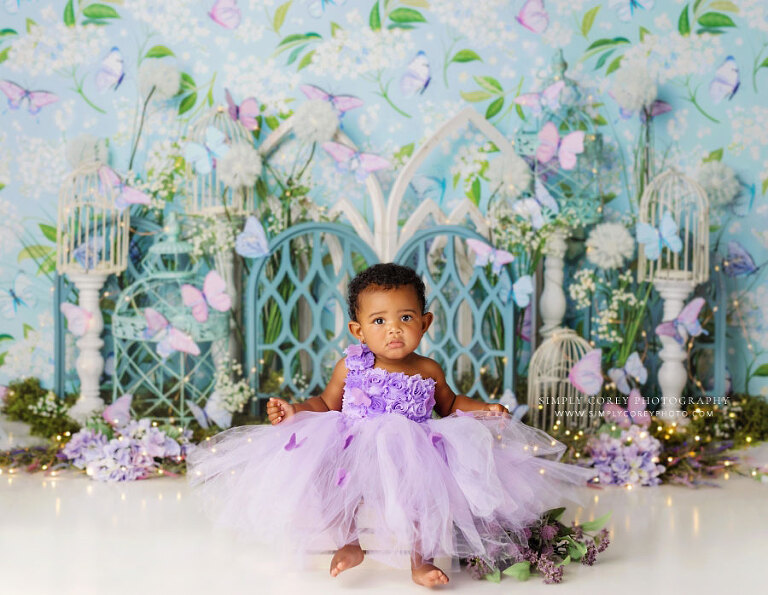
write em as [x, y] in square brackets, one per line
[296, 320]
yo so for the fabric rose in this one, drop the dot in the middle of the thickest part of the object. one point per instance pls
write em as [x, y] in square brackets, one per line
[375, 383]
[359, 357]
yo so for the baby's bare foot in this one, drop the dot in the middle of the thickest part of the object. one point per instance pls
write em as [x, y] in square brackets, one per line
[428, 575]
[347, 557]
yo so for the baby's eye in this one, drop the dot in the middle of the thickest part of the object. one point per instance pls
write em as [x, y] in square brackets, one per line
[378, 321]
[406, 318]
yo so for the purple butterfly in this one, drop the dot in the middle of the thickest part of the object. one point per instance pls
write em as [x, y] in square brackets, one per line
[348, 159]
[292, 444]
[633, 368]
[246, 113]
[634, 413]
[341, 476]
[533, 16]
[439, 443]
[341, 103]
[549, 98]
[226, 13]
[348, 441]
[688, 319]
[119, 412]
[532, 208]
[586, 374]
[488, 254]
[417, 77]
[36, 100]
[739, 262]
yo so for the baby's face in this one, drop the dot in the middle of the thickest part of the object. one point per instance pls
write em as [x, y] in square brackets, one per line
[390, 321]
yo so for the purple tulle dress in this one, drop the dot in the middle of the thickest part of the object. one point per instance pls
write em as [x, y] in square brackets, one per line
[384, 471]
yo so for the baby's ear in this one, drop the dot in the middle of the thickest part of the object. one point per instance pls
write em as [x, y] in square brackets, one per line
[426, 321]
[356, 330]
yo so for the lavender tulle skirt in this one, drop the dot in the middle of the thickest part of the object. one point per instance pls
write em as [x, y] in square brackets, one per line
[464, 485]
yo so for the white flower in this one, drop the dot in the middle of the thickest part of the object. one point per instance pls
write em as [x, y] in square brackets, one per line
[163, 77]
[240, 166]
[719, 181]
[609, 245]
[315, 121]
[634, 88]
[510, 174]
[86, 148]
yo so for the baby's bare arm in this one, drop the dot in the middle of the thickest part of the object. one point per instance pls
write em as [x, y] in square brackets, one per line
[446, 401]
[330, 398]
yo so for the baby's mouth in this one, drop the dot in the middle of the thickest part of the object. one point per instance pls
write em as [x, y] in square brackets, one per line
[395, 344]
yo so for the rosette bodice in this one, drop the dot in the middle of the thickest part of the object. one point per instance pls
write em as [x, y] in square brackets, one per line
[370, 391]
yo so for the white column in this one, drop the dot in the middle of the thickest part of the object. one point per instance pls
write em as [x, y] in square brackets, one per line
[672, 373]
[89, 362]
[552, 303]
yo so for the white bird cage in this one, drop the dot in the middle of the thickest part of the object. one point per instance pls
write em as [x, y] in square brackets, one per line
[686, 201]
[92, 234]
[551, 396]
[206, 195]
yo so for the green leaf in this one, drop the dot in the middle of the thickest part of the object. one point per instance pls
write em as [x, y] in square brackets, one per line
[30, 23]
[48, 265]
[489, 84]
[597, 524]
[566, 561]
[158, 51]
[7, 33]
[555, 513]
[335, 27]
[295, 38]
[762, 371]
[715, 19]
[765, 185]
[494, 577]
[696, 6]
[456, 178]
[187, 103]
[475, 96]
[209, 96]
[261, 189]
[187, 82]
[713, 228]
[519, 110]
[374, 20]
[34, 252]
[614, 65]
[6, 337]
[406, 15]
[599, 120]
[272, 122]
[295, 53]
[724, 5]
[4, 54]
[476, 191]
[576, 550]
[603, 58]
[306, 60]
[710, 30]
[683, 24]
[643, 32]
[605, 42]
[588, 20]
[280, 14]
[716, 155]
[27, 329]
[49, 231]
[494, 108]
[465, 56]
[764, 64]
[2, 185]
[69, 14]
[521, 571]
[100, 11]
[416, 3]
[404, 152]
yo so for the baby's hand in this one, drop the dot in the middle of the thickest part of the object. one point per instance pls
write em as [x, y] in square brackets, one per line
[278, 410]
[497, 407]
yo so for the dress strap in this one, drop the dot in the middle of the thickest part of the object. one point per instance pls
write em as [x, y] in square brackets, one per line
[359, 357]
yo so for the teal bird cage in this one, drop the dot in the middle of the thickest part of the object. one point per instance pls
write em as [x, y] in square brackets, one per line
[164, 357]
[561, 102]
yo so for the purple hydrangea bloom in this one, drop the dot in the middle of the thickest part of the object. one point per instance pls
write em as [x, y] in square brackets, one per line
[124, 459]
[84, 447]
[628, 459]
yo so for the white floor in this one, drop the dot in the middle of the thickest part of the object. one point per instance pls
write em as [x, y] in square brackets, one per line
[68, 534]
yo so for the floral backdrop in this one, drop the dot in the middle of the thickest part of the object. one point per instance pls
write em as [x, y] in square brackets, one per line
[125, 77]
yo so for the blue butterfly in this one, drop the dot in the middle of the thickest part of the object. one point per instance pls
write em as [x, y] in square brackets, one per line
[520, 291]
[417, 77]
[252, 241]
[726, 81]
[626, 8]
[739, 262]
[88, 253]
[538, 209]
[516, 410]
[653, 240]
[316, 8]
[17, 295]
[203, 156]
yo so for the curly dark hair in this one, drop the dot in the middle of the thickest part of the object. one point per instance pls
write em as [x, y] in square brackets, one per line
[387, 276]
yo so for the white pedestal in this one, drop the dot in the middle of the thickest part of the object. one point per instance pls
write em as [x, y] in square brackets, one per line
[89, 362]
[672, 374]
[552, 303]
